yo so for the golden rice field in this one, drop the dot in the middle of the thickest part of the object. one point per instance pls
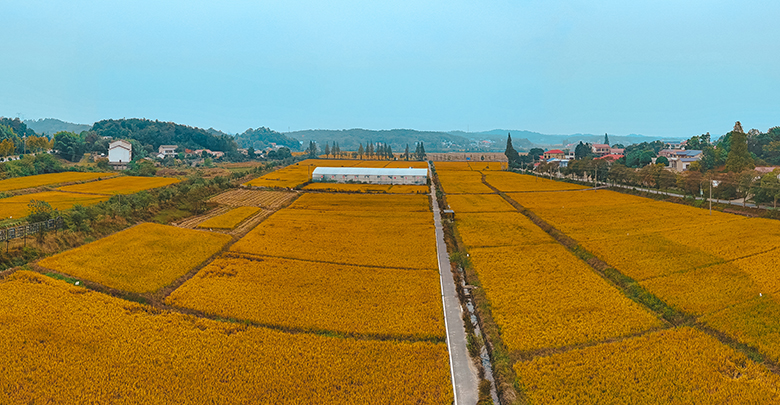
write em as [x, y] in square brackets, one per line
[318, 296]
[359, 236]
[18, 183]
[677, 366]
[462, 182]
[270, 200]
[478, 203]
[369, 188]
[140, 259]
[509, 182]
[67, 344]
[487, 165]
[230, 219]
[452, 166]
[17, 206]
[121, 185]
[493, 229]
[357, 202]
[543, 297]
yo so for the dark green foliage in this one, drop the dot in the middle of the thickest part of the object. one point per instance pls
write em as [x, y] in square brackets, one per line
[69, 146]
[156, 133]
[280, 154]
[662, 160]
[738, 158]
[511, 153]
[40, 211]
[263, 137]
[582, 150]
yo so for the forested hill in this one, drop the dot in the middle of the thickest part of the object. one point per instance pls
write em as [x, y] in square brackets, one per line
[51, 126]
[156, 133]
[263, 137]
[350, 139]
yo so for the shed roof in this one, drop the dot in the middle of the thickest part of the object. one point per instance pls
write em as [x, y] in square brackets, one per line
[370, 171]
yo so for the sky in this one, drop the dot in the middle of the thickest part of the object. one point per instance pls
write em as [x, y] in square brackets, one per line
[653, 67]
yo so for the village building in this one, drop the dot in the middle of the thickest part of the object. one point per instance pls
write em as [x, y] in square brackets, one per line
[601, 149]
[554, 154]
[120, 153]
[166, 150]
[370, 175]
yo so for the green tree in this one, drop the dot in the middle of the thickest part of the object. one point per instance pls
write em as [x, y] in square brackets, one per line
[511, 154]
[361, 151]
[606, 139]
[738, 158]
[582, 150]
[662, 160]
[406, 152]
[68, 145]
[40, 211]
[535, 153]
[250, 153]
[767, 189]
[327, 150]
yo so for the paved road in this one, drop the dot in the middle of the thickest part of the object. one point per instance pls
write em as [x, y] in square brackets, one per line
[464, 374]
[732, 202]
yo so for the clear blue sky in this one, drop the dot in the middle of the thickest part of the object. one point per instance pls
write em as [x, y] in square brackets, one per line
[654, 67]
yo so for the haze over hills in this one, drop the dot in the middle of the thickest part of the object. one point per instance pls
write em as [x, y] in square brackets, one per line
[350, 139]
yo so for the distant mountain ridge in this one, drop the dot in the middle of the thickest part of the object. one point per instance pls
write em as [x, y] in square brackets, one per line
[546, 140]
[51, 126]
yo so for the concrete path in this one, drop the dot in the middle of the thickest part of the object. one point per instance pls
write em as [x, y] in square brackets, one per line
[464, 374]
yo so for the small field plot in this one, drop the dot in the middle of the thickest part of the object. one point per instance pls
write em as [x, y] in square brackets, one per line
[18, 183]
[17, 206]
[487, 165]
[508, 182]
[462, 182]
[67, 344]
[494, 229]
[270, 200]
[318, 296]
[755, 322]
[362, 237]
[121, 185]
[140, 259]
[478, 203]
[368, 188]
[230, 219]
[543, 297]
[679, 366]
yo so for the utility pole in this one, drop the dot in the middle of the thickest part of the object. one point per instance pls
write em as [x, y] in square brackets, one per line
[710, 194]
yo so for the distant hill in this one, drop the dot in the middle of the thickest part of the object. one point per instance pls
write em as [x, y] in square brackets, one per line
[263, 137]
[350, 139]
[156, 133]
[51, 126]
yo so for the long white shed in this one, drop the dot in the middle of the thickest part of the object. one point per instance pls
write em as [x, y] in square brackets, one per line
[370, 175]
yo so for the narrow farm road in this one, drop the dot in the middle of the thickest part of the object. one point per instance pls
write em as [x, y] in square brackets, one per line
[464, 375]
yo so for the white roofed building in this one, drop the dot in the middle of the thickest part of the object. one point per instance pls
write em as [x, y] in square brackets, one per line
[120, 153]
[370, 175]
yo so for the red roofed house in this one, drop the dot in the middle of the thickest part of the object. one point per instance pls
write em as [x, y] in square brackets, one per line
[554, 154]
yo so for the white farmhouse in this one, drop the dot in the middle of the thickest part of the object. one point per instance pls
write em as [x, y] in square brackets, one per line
[370, 175]
[119, 154]
[166, 150]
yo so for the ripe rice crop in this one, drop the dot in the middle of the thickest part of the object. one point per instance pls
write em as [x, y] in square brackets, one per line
[478, 203]
[452, 166]
[404, 164]
[230, 219]
[357, 202]
[270, 200]
[678, 366]
[498, 229]
[509, 182]
[358, 229]
[140, 259]
[755, 322]
[17, 206]
[67, 344]
[318, 296]
[462, 182]
[542, 297]
[18, 183]
[487, 165]
[704, 290]
[369, 188]
[121, 185]
[382, 238]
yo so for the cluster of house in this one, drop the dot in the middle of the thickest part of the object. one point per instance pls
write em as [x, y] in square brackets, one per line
[680, 159]
[602, 150]
[120, 153]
